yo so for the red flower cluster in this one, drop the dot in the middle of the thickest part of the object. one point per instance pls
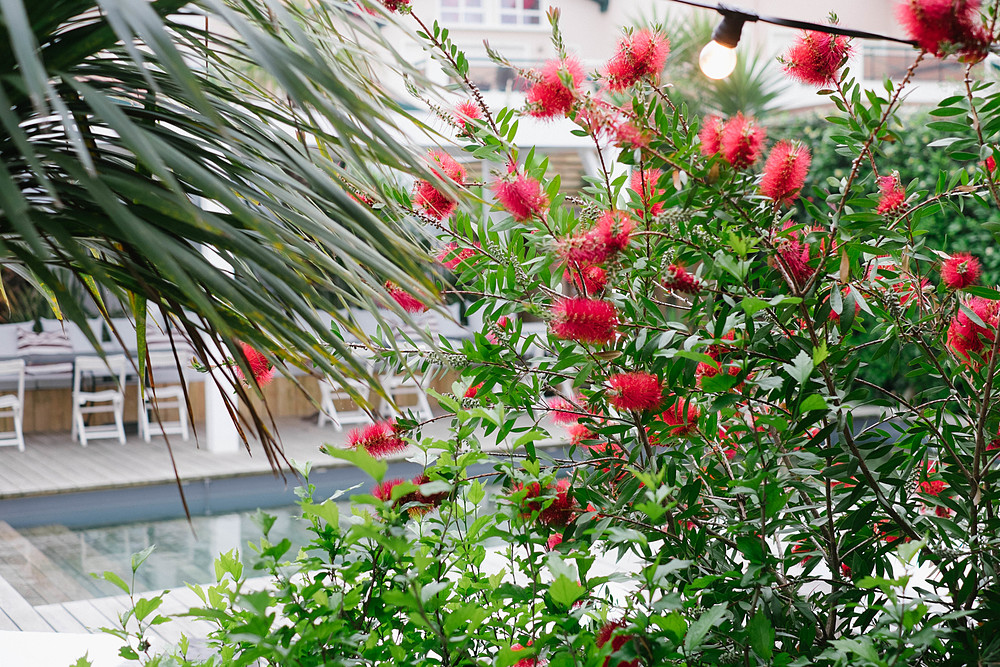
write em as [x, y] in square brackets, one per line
[609, 236]
[560, 512]
[383, 491]
[711, 135]
[473, 390]
[260, 368]
[610, 632]
[934, 487]
[644, 183]
[679, 279]
[893, 195]
[639, 55]
[938, 24]
[550, 96]
[960, 270]
[588, 278]
[785, 172]
[794, 251]
[450, 256]
[816, 57]
[380, 439]
[635, 391]
[742, 141]
[579, 434]
[400, 6]
[406, 301]
[739, 139]
[584, 320]
[531, 662]
[466, 111]
[627, 135]
[431, 200]
[520, 195]
[966, 338]
[682, 415]
[563, 411]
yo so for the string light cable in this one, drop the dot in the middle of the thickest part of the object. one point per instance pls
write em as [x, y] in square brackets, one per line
[718, 58]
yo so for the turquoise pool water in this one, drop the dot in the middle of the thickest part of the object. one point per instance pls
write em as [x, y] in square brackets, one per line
[184, 552]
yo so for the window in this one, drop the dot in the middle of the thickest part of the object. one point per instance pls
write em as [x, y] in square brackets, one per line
[506, 13]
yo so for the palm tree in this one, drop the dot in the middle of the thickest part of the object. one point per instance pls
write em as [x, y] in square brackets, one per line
[138, 159]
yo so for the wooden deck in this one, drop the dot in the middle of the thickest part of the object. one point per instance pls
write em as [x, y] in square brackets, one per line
[52, 463]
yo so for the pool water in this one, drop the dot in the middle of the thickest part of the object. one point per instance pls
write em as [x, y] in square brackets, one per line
[184, 552]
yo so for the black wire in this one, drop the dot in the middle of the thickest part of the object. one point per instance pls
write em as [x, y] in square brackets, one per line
[793, 23]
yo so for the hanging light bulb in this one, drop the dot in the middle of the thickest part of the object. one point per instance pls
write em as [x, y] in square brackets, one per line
[718, 59]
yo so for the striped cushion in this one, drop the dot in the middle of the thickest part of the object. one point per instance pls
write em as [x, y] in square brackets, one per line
[46, 342]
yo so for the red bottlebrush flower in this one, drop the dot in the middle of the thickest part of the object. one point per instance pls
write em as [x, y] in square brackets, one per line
[794, 251]
[426, 503]
[937, 24]
[383, 490]
[398, 6]
[893, 195]
[585, 248]
[614, 229]
[553, 541]
[785, 172]
[406, 301]
[635, 391]
[742, 141]
[550, 96]
[881, 531]
[715, 350]
[966, 338]
[803, 547]
[562, 411]
[473, 390]
[960, 270]
[561, 510]
[845, 570]
[584, 320]
[678, 279]
[450, 256]
[991, 164]
[520, 195]
[682, 415]
[627, 135]
[587, 278]
[644, 184]
[610, 632]
[641, 54]
[431, 200]
[260, 368]
[380, 439]
[466, 111]
[579, 434]
[816, 57]
[711, 135]
[530, 662]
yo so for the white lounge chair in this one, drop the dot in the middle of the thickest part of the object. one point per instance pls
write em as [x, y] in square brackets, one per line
[12, 404]
[330, 392]
[103, 401]
[159, 399]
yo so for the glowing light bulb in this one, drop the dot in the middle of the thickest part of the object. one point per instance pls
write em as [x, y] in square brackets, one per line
[717, 61]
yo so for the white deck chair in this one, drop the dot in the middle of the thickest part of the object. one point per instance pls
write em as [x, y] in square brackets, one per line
[401, 385]
[12, 404]
[102, 401]
[330, 392]
[154, 403]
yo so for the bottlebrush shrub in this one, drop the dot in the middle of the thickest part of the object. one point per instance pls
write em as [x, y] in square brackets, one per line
[685, 499]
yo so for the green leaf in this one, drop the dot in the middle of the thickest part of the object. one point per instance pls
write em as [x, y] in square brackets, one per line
[801, 367]
[701, 627]
[139, 558]
[113, 578]
[761, 635]
[565, 591]
[327, 511]
[813, 402]
[360, 458]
